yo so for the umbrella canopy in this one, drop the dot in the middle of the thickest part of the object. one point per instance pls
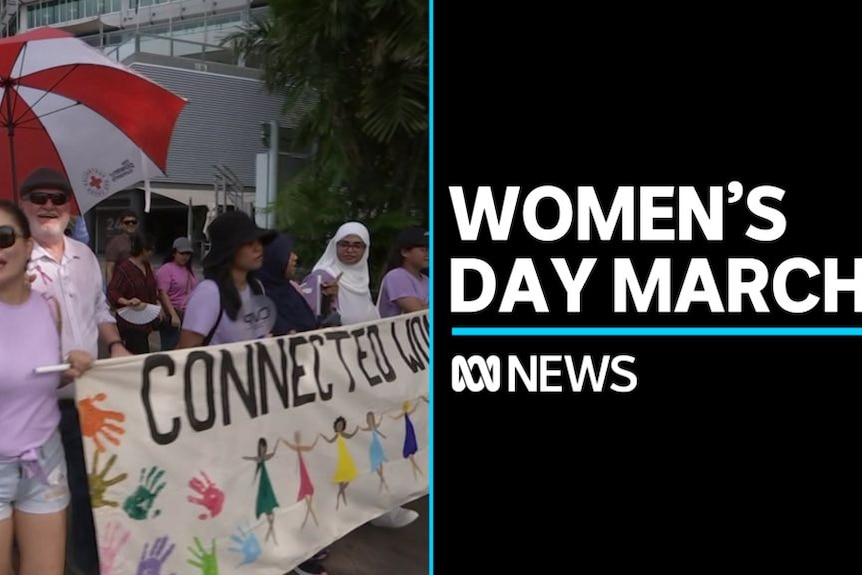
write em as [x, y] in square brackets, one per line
[68, 107]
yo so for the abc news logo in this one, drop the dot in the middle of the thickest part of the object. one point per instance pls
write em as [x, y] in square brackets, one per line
[546, 373]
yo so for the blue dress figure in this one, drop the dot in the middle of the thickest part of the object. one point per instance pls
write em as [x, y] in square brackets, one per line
[375, 453]
[410, 446]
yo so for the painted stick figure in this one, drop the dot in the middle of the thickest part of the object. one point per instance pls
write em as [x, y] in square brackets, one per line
[266, 501]
[306, 488]
[345, 470]
[410, 447]
[375, 453]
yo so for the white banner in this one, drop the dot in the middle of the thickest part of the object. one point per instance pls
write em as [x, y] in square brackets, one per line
[251, 457]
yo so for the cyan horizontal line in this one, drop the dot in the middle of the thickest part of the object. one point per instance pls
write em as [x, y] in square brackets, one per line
[655, 331]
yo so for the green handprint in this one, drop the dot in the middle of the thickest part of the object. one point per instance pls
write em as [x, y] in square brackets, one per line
[207, 561]
[99, 482]
[138, 504]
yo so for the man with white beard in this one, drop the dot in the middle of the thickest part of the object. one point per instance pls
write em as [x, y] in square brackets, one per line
[69, 271]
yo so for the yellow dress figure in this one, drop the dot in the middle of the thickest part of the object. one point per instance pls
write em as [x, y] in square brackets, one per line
[345, 469]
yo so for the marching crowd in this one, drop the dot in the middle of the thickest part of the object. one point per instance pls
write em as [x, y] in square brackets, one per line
[56, 306]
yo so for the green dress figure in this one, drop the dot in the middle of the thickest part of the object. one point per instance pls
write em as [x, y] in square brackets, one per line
[266, 501]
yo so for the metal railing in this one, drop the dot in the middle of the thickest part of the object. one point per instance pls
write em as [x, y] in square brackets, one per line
[138, 43]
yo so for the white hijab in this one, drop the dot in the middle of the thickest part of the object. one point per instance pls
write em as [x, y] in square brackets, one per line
[354, 295]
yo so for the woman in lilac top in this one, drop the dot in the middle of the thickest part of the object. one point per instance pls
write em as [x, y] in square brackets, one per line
[34, 493]
[405, 288]
[176, 281]
[213, 314]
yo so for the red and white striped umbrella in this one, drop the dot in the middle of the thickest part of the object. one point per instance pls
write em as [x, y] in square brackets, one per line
[68, 107]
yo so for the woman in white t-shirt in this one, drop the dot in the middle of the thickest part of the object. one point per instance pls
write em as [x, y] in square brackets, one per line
[228, 306]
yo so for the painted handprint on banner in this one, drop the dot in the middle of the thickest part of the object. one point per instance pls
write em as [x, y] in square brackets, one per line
[211, 497]
[96, 421]
[206, 561]
[248, 545]
[110, 544]
[138, 504]
[152, 560]
[99, 482]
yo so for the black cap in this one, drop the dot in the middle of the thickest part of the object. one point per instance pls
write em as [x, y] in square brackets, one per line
[412, 238]
[228, 232]
[46, 179]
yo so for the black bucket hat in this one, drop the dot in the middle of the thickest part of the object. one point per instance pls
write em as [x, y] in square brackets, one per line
[228, 232]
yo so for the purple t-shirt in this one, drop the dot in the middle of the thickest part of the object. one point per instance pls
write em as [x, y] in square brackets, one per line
[397, 284]
[252, 322]
[29, 413]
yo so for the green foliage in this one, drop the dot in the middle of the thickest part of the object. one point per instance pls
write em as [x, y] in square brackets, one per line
[363, 65]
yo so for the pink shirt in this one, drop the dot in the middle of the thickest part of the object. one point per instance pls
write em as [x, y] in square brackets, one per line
[176, 281]
[29, 413]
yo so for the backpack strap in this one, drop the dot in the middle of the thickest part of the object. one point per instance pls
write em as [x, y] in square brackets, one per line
[259, 291]
[210, 335]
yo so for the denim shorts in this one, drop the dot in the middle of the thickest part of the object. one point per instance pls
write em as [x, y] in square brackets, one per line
[35, 484]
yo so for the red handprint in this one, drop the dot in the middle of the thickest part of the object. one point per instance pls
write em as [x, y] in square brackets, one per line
[94, 421]
[211, 496]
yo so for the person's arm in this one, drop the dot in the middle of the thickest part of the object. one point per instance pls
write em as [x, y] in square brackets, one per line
[399, 288]
[202, 313]
[80, 361]
[327, 440]
[109, 271]
[110, 336]
[120, 292]
[410, 304]
[169, 308]
[163, 284]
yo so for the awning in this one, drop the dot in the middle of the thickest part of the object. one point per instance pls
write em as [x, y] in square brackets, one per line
[199, 197]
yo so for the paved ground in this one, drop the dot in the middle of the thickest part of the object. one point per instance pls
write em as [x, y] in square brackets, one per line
[374, 551]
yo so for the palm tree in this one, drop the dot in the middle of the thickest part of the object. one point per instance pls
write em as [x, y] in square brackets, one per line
[364, 65]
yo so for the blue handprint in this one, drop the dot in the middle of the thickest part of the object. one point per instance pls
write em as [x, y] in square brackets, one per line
[249, 545]
[152, 560]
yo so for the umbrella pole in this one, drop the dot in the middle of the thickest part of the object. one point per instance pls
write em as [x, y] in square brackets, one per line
[10, 127]
[13, 169]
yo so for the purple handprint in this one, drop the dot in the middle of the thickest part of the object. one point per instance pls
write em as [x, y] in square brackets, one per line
[152, 562]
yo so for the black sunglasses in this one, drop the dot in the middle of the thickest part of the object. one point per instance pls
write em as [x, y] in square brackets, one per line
[41, 198]
[8, 236]
[130, 222]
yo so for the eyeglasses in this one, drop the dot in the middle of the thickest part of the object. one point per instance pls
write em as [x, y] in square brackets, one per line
[358, 246]
[8, 236]
[41, 198]
[130, 223]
